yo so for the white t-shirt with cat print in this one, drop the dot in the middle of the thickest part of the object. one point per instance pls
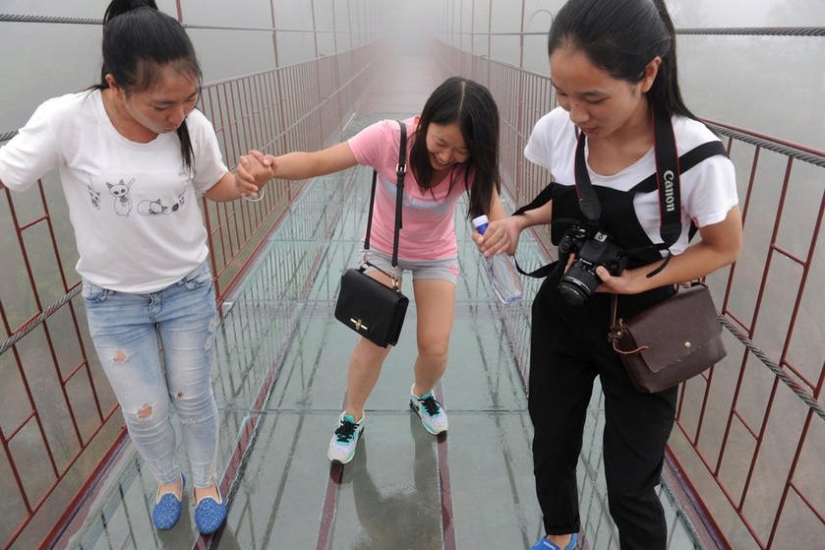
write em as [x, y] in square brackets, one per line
[134, 206]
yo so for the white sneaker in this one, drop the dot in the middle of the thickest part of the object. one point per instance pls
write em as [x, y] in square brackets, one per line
[345, 439]
[430, 411]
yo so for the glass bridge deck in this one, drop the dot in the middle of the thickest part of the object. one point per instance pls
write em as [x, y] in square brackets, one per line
[280, 385]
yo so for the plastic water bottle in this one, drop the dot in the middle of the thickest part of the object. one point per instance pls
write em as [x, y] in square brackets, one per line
[502, 269]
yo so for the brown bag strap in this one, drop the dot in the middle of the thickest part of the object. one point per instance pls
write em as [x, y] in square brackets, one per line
[614, 334]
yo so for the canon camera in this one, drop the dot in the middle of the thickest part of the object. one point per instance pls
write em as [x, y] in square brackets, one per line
[591, 249]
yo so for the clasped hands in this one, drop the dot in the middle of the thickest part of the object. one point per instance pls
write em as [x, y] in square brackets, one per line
[253, 171]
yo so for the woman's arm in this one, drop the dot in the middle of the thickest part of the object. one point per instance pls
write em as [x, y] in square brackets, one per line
[720, 246]
[252, 173]
[502, 235]
[255, 169]
[496, 211]
[301, 165]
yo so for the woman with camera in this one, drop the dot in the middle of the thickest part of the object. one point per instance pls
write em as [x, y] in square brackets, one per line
[613, 67]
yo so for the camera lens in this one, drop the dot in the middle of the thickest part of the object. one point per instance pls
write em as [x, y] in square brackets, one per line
[572, 294]
[578, 283]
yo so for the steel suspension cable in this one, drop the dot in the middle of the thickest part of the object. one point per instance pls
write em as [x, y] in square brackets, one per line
[731, 31]
[756, 31]
[20, 18]
[775, 368]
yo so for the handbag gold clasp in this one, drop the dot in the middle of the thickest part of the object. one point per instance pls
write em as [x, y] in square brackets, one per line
[359, 325]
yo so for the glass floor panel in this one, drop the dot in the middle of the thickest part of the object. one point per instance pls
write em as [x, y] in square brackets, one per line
[280, 383]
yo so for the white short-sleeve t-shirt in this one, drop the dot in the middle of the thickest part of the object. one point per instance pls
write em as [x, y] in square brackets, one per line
[133, 206]
[708, 190]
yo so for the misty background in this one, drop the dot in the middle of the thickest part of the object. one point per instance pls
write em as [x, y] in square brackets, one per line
[773, 85]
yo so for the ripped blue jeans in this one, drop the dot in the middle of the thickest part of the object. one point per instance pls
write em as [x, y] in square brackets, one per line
[157, 350]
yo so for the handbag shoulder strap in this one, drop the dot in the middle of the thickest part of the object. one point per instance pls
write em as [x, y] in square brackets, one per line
[400, 172]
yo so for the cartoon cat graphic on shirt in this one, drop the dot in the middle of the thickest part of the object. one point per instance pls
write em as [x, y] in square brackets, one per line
[122, 202]
[157, 207]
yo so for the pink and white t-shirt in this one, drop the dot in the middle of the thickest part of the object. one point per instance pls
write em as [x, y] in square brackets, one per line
[428, 229]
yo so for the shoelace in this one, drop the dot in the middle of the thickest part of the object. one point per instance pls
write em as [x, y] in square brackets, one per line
[345, 431]
[430, 405]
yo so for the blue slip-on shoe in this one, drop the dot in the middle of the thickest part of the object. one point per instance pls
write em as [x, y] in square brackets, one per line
[210, 514]
[545, 544]
[166, 512]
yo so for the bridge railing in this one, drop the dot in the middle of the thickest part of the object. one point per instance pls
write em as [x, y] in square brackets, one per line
[750, 433]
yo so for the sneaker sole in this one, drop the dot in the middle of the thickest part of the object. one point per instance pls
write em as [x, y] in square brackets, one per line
[415, 410]
[339, 461]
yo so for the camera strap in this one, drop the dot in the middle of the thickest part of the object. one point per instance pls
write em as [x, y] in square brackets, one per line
[665, 179]
[666, 175]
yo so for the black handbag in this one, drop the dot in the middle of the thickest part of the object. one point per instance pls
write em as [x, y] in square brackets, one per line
[367, 306]
[670, 341]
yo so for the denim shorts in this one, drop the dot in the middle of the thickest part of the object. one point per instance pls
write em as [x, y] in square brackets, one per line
[445, 269]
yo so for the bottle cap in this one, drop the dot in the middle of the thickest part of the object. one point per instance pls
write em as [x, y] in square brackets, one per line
[480, 223]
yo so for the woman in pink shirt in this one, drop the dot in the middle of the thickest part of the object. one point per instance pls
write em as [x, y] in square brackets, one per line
[452, 150]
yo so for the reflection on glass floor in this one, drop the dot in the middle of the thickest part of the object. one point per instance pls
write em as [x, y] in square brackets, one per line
[280, 386]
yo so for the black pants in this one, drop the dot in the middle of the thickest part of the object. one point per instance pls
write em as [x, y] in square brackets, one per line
[569, 348]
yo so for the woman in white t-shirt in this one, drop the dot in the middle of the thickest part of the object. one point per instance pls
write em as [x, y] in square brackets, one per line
[452, 150]
[134, 157]
[613, 67]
